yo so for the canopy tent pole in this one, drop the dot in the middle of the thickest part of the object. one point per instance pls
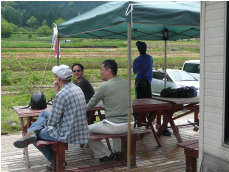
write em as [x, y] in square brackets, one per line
[58, 52]
[129, 98]
[165, 38]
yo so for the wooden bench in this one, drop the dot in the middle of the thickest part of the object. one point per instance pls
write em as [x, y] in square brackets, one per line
[191, 151]
[58, 151]
[135, 135]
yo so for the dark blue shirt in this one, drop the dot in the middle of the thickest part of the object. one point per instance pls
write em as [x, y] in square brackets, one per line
[143, 66]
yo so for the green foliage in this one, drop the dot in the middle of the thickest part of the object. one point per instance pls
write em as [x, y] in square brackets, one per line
[44, 22]
[26, 43]
[46, 12]
[44, 30]
[8, 114]
[7, 28]
[6, 77]
[32, 22]
[30, 36]
[11, 14]
[21, 30]
[59, 20]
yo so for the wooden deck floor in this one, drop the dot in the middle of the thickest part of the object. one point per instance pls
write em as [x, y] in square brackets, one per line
[150, 157]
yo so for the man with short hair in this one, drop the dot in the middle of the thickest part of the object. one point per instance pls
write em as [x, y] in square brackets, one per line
[66, 122]
[83, 83]
[114, 95]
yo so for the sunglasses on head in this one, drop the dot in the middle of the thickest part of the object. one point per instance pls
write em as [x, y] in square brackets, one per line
[76, 71]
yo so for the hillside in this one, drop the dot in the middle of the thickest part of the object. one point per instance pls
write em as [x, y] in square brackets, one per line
[18, 12]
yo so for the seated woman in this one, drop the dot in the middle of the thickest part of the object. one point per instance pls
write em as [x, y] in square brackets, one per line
[80, 81]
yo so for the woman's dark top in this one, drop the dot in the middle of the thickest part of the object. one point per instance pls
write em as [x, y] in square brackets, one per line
[86, 87]
[143, 66]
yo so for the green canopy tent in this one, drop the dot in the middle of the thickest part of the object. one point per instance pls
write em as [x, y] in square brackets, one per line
[136, 21]
[109, 21]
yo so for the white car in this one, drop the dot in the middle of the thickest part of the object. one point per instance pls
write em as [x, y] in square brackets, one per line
[174, 79]
[192, 67]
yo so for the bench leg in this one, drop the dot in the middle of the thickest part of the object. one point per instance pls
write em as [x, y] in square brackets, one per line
[191, 165]
[26, 156]
[133, 150]
[59, 157]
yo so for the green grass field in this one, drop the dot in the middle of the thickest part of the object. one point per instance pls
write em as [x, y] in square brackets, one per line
[25, 65]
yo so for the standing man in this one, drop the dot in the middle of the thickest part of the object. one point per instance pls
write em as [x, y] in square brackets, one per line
[80, 81]
[143, 66]
[114, 95]
[66, 122]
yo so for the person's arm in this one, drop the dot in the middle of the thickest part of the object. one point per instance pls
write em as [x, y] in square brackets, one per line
[87, 88]
[56, 87]
[57, 111]
[99, 95]
[91, 91]
[135, 67]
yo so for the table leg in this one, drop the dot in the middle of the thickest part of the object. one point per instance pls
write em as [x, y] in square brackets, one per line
[163, 126]
[158, 121]
[167, 118]
[196, 112]
[175, 129]
[25, 150]
[150, 119]
[156, 136]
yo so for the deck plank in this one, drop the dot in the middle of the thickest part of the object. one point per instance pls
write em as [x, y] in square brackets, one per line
[149, 156]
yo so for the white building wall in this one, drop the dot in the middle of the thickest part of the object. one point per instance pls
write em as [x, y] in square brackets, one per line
[212, 100]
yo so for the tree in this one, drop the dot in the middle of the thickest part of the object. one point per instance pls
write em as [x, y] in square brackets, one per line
[12, 15]
[59, 20]
[44, 22]
[44, 30]
[32, 22]
[7, 28]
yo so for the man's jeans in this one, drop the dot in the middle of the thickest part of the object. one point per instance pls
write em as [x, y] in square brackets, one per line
[39, 127]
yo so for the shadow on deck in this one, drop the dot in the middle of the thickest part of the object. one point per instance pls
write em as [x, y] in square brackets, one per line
[150, 157]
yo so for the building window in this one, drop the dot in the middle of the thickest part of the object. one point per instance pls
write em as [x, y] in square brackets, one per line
[226, 124]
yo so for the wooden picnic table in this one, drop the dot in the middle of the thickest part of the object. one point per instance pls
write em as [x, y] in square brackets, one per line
[30, 115]
[145, 112]
[189, 105]
[27, 116]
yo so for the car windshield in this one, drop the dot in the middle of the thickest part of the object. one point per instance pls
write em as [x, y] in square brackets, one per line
[192, 68]
[181, 76]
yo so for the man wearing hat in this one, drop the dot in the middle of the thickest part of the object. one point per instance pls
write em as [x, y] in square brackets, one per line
[66, 122]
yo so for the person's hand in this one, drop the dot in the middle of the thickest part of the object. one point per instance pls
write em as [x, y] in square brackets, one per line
[56, 86]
